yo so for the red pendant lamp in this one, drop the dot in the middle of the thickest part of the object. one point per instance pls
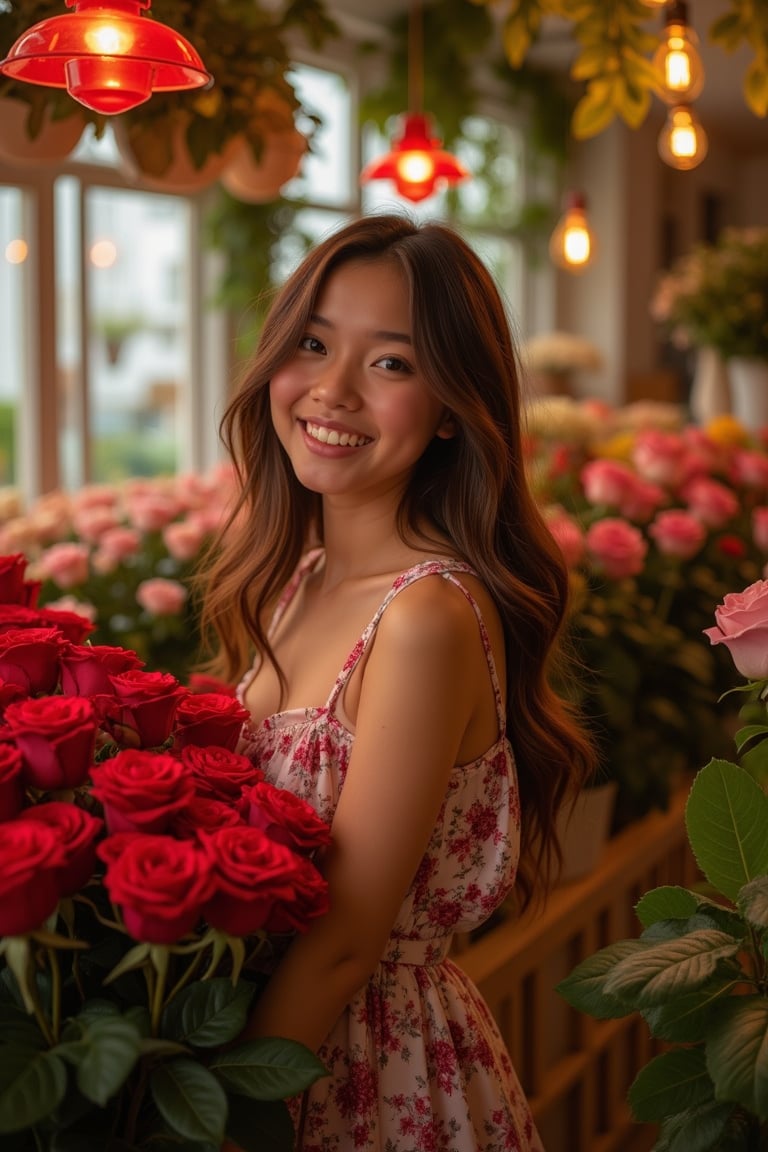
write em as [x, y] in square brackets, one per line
[417, 163]
[107, 55]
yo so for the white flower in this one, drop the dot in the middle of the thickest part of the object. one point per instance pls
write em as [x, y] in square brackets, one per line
[560, 352]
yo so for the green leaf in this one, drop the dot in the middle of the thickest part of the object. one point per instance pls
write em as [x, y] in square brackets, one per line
[667, 903]
[594, 112]
[671, 1082]
[111, 1049]
[268, 1069]
[727, 820]
[257, 1129]
[190, 1100]
[744, 735]
[32, 1085]
[737, 1053]
[700, 1129]
[585, 988]
[687, 1018]
[753, 901]
[663, 971]
[17, 1028]
[208, 1013]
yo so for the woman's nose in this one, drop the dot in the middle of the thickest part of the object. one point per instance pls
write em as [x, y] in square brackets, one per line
[336, 387]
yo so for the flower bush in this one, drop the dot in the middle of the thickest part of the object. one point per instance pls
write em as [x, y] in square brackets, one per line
[717, 295]
[122, 556]
[150, 875]
[657, 520]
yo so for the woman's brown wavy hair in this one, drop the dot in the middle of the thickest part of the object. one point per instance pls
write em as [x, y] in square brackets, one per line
[471, 488]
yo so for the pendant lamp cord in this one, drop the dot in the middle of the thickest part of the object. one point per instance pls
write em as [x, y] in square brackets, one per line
[415, 62]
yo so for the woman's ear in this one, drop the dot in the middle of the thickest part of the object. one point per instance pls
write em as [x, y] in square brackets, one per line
[447, 428]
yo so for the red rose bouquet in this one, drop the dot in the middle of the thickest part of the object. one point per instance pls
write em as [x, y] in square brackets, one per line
[147, 872]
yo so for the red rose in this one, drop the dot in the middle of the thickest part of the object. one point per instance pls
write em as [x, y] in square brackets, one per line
[86, 669]
[56, 737]
[75, 628]
[309, 899]
[149, 701]
[29, 657]
[141, 790]
[199, 682]
[219, 773]
[285, 818]
[732, 546]
[209, 718]
[253, 875]
[31, 855]
[204, 814]
[77, 831]
[160, 884]
[11, 787]
[14, 589]
[9, 693]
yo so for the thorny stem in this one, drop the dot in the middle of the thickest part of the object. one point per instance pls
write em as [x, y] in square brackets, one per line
[55, 993]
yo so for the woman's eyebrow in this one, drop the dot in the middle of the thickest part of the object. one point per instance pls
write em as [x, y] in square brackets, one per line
[378, 333]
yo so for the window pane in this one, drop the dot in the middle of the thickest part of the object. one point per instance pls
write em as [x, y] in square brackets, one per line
[137, 267]
[14, 292]
[325, 171]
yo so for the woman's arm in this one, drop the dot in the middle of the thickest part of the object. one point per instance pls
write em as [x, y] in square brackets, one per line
[418, 694]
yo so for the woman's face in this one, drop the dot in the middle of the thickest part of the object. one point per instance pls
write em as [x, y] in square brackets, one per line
[350, 406]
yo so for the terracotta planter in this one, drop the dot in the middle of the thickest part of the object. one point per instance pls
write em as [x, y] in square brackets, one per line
[583, 828]
[180, 177]
[55, 141]
[256, 182]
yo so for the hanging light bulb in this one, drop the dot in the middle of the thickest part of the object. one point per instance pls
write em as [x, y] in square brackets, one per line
[417, 162]
[683, 142]
[107, 55]
[572, 245]
[677, 60]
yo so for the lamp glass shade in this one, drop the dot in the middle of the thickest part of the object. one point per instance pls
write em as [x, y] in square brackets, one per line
[572, 244]
[678, 64]
[682, 142]
[107, 55]
[417, 162]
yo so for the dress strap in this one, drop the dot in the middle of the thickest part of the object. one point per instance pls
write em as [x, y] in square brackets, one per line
[445, 568]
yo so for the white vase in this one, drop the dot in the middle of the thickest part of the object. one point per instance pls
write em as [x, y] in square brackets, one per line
[711, 387]
[749, 391]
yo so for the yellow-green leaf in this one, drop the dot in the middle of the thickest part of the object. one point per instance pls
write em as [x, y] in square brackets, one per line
[756, 88]
[593, 113]
[591, 63]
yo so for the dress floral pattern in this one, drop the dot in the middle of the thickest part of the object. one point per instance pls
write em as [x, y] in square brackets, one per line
[416, 1061]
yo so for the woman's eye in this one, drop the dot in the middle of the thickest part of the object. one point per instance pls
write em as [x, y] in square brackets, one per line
[312, 344]
[394, 364]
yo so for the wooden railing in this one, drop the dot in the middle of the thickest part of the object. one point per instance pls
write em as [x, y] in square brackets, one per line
[576, 1070]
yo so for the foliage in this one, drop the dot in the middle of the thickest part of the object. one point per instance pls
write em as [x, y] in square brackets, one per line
[614, 49]
[244, 45]
[717, 295]
[149, 873]
[698, 976]
[658, 520]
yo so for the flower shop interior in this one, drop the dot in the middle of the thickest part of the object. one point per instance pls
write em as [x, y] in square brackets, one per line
[139, 243]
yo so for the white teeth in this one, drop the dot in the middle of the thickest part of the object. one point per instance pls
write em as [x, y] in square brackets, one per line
[332, 437]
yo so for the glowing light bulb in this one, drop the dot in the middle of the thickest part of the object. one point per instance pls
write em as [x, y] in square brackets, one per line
[415, 167]
[572, 245]
[16, 251]
[683, 142]
[108, 40]
[676, 60]
[103, 253]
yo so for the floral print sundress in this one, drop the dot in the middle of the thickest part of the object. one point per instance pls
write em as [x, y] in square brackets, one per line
[416, 1061]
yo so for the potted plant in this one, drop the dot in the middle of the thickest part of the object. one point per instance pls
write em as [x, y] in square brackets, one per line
[698, 973]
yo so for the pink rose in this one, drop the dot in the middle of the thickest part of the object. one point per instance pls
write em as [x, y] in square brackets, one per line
[65, 564]
[151, 511]
[741, 623]
[119, 542]
[141, 791]
[641, 501]
[568, 535]
[209, 718]
[78, 832]
[711, 501]
[607, 482]
[617, 548]
[750, 468]
[159, 883]
[677, 533]
[184, 538]
[11, 787]
[56, 736]
[660, 457]
[91, 523]
[161, 597]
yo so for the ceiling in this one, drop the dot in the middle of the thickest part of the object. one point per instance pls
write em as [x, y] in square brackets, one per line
[721, 105]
